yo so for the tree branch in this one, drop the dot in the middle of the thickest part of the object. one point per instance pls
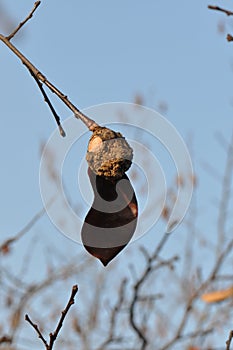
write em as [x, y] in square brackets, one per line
[40, 335]
[4, 247]
[113, 318]
[225, 195]
[37, 3]
[91, 124]
[228, 342]
[53, 336]
[5, 339]
[136, 297]
[217, 8]
[218, 264]
[47, 100]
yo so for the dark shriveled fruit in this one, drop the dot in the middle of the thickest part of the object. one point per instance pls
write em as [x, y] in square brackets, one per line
[112, 219]
[108, 154]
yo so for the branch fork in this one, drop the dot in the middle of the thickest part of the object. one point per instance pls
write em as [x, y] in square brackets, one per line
[53, 336]
[41, 79]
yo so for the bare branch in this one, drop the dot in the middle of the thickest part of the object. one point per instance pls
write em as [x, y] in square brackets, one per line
[47, 100]
[217, 8]
[228, 342]
[53, 336]
[136, 297]
[189, 306]
[40, 335]
[225, 195]
[114, 315]
[5, 339]
[5, 245]
[37, 3]
[34, 289]
[40, 85]
[91, 124]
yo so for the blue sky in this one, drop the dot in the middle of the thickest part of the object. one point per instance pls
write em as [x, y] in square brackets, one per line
[108, 51]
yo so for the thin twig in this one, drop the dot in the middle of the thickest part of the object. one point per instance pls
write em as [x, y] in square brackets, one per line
[217, 266]
[9, 37]
[91, 124]
[47, 100]
[217, 8]
[225, 195]
[220, 258]
[5, 339]
[40, 335]
[6, 244]
[31, 290]
[228, 13]
[113, 319]
[53, 336]
[136, 297]
[228, 342]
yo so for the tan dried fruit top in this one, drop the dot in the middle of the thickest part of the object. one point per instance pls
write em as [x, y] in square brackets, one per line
[108, 154]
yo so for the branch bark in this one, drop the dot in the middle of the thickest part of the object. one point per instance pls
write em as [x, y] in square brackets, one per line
[40, 78]
[37, 3]
[53, 336]
[4, 247]
[228, 342]
[217, 8]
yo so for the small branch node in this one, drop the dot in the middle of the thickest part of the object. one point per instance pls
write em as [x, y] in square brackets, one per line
[40, 335]
[53, 336]
[62, 132]
[229, 37]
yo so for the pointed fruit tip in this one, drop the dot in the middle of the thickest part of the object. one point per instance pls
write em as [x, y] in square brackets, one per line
[104, 262]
